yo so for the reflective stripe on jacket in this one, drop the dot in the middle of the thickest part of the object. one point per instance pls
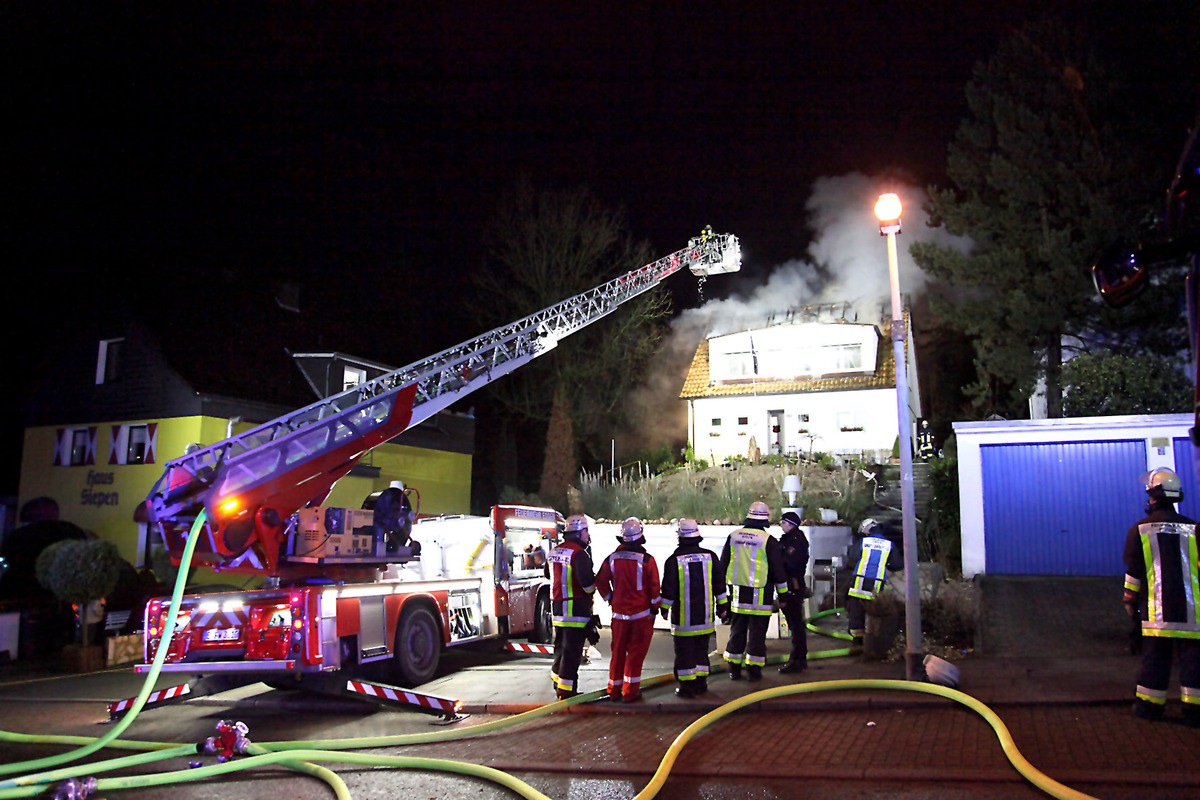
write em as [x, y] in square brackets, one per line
[628, 581]
[692, 589]
[571, 585]
[872, 567]
[753, 567]
[1168, 565]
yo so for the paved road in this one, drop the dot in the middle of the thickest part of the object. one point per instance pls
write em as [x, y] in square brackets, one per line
[1066, 707]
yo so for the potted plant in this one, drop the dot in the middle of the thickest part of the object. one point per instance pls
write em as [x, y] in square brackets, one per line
[81, 573]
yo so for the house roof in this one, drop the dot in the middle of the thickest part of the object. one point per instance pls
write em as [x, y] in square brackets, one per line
[697, 385]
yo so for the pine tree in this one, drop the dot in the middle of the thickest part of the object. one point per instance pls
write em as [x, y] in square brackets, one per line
[1041, 181]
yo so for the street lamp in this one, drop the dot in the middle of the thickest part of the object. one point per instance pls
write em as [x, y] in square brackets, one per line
[887, 209]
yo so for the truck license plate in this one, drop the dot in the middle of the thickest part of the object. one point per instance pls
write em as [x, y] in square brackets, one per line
[221, 634]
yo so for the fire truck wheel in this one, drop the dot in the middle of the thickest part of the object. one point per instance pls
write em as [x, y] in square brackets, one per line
[543, 623]
[418, 646]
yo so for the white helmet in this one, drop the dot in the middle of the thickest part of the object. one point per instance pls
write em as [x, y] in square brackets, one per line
[688, 529]
[631, 529]
[759, 511]
[576, 523]
[1162, 484]
[869, 524]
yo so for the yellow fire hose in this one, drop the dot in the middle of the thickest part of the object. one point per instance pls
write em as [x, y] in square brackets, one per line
[299, 755]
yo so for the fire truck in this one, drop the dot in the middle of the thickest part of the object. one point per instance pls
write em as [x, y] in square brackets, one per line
[344, 587]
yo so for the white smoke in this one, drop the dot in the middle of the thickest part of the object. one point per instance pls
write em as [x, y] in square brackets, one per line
[846, 264]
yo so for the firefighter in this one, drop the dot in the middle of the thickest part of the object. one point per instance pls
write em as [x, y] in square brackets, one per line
[693, 597]
[1161, 563]
[752, 563]
[572, 583]
[926, 447]
[628, 581]
[795, 564]
[870, 572]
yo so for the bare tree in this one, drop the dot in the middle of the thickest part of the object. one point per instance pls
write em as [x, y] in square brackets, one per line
[545, 246]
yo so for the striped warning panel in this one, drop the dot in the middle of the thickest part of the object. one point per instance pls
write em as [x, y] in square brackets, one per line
[521, 647]
[160, 696]
[404, 696]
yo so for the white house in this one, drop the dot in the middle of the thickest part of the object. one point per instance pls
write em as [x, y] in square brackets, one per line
[813, 381]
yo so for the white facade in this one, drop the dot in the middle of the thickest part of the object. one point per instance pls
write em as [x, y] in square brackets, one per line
[798, 389]
[846, 424]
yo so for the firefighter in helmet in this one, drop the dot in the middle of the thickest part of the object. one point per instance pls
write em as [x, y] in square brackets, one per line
[572, 582]
[628, 581]
[1161, 563]
[870, 573]
[752, 563]
[693, 597]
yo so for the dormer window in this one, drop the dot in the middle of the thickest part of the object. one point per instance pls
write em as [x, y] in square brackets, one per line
[108, 360]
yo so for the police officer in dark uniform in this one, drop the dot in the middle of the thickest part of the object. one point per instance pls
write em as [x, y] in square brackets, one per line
[795, 564]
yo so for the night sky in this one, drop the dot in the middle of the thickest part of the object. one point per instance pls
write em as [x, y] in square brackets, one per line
[360, 148]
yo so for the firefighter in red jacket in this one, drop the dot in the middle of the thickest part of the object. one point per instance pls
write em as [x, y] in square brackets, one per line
[572, 583]
[1161, 576]
[628, 581]
[693, 596]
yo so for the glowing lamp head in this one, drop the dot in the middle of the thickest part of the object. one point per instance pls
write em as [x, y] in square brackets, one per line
[887, 211]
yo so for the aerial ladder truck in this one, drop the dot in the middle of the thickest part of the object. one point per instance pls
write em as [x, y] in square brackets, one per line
[345, 587]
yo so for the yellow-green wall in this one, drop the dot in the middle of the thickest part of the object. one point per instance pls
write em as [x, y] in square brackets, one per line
[102, 498]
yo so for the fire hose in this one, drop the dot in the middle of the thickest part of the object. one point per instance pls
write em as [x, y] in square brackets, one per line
[300, 755]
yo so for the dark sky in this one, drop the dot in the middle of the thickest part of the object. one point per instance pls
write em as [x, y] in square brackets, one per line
[362, 144]
[360, 147]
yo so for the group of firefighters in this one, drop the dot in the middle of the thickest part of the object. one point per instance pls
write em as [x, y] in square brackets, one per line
[754, 574]
[757, 573]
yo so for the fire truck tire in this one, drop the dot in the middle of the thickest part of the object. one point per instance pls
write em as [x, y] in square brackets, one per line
[418, 646]
[543, 623]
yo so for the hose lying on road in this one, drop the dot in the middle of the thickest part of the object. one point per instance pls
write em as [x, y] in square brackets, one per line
[299, 755]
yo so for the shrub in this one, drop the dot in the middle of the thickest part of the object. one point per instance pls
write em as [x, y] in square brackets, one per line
[79, 572]
[943, 529]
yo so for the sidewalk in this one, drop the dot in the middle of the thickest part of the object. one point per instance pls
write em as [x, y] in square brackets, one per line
[1051, 663]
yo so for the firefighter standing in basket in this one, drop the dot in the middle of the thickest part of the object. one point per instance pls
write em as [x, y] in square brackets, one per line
[572, 583]
[1161, 580]
[628, 581]
[693, 597]
[752, 563]
[870, 572]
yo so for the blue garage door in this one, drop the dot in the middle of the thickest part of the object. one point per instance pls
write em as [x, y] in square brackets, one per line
[1185, 465]
[1060, 508]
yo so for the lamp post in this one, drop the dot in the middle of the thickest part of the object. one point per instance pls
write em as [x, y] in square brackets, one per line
[887, 209]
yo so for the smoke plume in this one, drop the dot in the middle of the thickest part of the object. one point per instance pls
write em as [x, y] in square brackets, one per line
[846, 265]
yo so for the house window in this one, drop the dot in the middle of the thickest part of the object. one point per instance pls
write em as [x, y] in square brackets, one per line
[743, 420]
[108, 360]
[716, 423]
[849, 421]
[79, 447]
[135, 450]
[846, 357]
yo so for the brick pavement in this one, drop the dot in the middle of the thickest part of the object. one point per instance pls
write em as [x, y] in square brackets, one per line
[1052, 663]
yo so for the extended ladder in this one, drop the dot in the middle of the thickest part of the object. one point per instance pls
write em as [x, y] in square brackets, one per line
[261, 476]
